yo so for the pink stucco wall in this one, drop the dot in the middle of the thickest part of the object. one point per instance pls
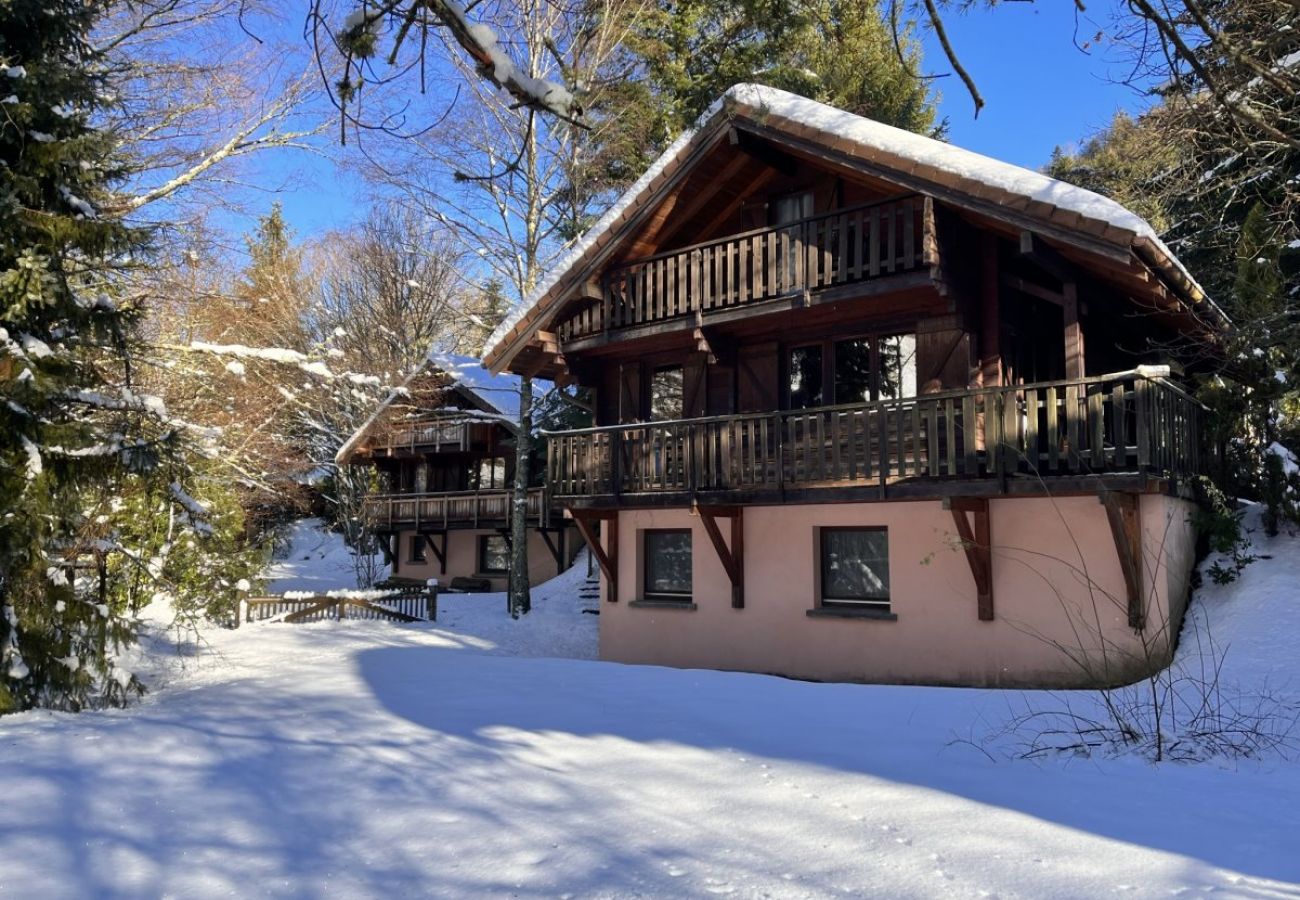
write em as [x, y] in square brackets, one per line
[462, 557]
[1060, 603]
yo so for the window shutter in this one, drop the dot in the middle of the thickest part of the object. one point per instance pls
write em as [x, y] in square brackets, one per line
[629, 393]
[757, 377]
[693, 387]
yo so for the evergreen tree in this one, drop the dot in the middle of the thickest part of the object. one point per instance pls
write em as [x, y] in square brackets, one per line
[71, 422]
[841, 52]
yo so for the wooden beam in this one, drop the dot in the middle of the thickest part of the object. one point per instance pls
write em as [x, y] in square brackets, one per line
[440, 553]
[607, 558]
[977, 541]
[557, 552]
[1046, 257]
[1033, 290]
[990, 315]
[728, 209]
[732, 558]
[1126, 529]
[1074, 367]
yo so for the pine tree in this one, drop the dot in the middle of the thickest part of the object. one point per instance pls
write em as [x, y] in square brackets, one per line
[70, 422]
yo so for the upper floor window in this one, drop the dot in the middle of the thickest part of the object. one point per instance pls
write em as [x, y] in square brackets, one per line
[806, 377]
[897, 366]
[666, 402]
[853, 370]
[792, 207]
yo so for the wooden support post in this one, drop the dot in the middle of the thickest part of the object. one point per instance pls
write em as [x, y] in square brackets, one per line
[977, 541]
[440, 553]
[733, 558]
[1074, 368]
[1126, 529]
[606, 556]
[990, 316]
[557, 551]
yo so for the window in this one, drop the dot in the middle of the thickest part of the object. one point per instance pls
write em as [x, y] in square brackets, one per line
[855, 567]
[493, 554]
[897, 366]
[667, 563]
[666, 394]
[852, 370]
[792, 208]
[806, 377]
[490, 474]
[417, 548]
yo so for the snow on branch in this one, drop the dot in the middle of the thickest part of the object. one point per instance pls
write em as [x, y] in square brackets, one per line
[494, 64]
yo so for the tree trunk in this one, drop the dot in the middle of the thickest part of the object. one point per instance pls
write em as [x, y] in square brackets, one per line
[519, 597]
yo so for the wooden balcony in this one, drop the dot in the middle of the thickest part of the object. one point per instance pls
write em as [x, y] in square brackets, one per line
[462, 509]
[1027, 438]
[431, 436]
[840, 248]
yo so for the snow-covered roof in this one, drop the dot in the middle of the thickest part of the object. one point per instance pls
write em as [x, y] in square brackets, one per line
[1022, 192]
[497, 396]
[501, 392]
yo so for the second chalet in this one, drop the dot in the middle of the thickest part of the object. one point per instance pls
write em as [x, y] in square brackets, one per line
[444, 453]
[871, 407]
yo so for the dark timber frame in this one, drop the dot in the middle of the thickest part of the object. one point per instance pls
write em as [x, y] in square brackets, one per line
[977, 541]
[1126, 529]
[607, 558]
[733, 557]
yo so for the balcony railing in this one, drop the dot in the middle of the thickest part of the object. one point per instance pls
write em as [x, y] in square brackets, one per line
[464, 508]
[1129, 422]
[430, 434]
[848, 245]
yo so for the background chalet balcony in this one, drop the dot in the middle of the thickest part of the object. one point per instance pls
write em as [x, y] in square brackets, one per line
[843, 247]
[431, 435]
[1135, 423]
[467, 509]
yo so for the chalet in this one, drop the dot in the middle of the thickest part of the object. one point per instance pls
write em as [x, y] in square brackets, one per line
[871, 407]
[444, 453]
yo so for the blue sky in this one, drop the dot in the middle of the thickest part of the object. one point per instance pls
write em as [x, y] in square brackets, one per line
[1041, 91]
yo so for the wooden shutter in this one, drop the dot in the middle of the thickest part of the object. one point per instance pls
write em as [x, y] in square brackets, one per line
[721, 390]
[943, 361]
[694, 397]
[757, 382]
[629, 393]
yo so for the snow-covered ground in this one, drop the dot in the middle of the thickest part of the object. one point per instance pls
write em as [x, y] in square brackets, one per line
[365, 759]
[315, 560]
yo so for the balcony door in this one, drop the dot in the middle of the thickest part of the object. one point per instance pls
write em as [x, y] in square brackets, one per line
[790, 209]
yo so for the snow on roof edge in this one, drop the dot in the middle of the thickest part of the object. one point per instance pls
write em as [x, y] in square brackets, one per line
[873, 135]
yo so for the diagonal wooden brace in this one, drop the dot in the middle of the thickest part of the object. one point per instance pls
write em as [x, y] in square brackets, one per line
[733, 557]
[977, 541]
[1126, 529]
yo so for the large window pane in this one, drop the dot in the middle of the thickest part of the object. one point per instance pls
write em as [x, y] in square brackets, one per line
[852, 371]
[493, 554]
[666, 394]
[668, 563]
[855, 565]
[806, 377]
[897, 366]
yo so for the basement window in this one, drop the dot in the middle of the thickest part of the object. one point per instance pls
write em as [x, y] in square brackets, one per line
[417, 548]
[667, 564]
[855, 568]
[493, 554]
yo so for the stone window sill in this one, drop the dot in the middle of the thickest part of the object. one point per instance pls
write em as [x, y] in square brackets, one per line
[844, 612]
[663, 604]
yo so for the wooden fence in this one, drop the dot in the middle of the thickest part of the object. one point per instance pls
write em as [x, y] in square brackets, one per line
[842, 247]
[400, 606]
[1127, 422]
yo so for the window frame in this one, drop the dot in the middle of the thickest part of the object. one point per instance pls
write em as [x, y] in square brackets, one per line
[684, 599]
[417, 550]
[480, 557]
[850, 603]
